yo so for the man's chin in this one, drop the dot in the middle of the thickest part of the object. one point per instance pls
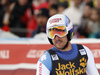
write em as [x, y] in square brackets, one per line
[59, 48]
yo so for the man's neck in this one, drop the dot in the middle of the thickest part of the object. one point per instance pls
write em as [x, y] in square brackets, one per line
[68, 48]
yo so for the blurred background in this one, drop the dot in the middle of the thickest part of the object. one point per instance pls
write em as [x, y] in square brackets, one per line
[22, 21]
[27, 18]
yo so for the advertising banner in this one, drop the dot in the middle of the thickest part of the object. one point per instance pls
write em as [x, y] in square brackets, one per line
[21, 58]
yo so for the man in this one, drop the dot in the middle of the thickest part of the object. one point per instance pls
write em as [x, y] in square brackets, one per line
[74, 11]
[64, 58]
[53, 9]
[41, 19]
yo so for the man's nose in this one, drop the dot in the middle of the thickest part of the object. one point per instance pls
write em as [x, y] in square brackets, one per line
[57, 37]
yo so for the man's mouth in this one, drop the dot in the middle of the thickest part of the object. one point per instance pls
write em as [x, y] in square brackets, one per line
[58, 42]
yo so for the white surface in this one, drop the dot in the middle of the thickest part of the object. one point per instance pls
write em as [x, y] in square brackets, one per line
[41, 41]
[25, 66]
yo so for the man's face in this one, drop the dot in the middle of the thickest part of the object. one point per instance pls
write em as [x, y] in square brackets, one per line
[59, 42]
[41, 20]
[52, 12]
[86, 1]
[87, 11]
[23, 2]
[3, 2]
[77, 2]
[98, 4]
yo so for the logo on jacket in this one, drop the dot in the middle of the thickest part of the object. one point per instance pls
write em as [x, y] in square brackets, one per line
[54, 57]
[83, 62]
[82, 52]
[43, 57]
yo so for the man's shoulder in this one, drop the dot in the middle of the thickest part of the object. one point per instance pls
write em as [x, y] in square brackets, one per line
[46, 60]
[45, 57]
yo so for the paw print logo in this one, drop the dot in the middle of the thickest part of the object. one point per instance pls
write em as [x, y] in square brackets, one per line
[83, 62]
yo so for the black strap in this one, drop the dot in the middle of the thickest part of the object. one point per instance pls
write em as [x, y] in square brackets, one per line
[79, 46]
[51, 51]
